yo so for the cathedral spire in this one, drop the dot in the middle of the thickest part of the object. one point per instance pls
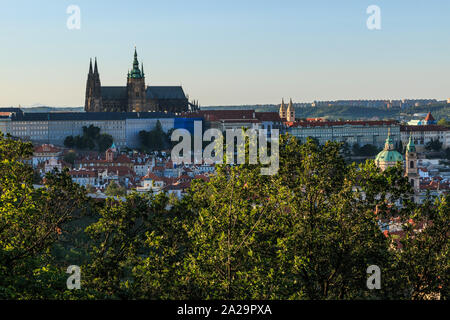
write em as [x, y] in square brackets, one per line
[135, 72]
[90, 66]
[95, 66]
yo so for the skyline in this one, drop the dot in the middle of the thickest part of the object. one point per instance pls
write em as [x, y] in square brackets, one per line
[227, 53]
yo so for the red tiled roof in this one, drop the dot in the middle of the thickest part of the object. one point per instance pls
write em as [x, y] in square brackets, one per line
[120, 170]
[268, 116]
[122, 158]
[431, 127]
[151, 176]
[340, 123]
[46, 148]
[429, 117]
[216, 115]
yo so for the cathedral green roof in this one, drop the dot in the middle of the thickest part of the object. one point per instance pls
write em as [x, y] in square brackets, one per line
[389, 156]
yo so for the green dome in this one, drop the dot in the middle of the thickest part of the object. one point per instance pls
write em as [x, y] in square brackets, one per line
[389, 156]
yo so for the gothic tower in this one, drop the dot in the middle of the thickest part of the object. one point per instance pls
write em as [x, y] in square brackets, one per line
[411, 165]
[282, 110]
[136, 87]
[290, 112]
[93, 101]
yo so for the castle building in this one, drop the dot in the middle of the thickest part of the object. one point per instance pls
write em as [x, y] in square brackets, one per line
[135, 96]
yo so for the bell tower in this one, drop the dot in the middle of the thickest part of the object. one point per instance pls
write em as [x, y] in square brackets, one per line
[290, 112]
[136, 87]
[411, 166]
[282, 111]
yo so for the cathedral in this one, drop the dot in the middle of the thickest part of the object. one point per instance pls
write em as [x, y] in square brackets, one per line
[389, 157]
[135, 96]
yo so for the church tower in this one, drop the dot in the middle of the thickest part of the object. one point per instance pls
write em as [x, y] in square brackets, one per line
[290, 112]
[136, 87]
[93, 101]
[411, 165]
[282, 110]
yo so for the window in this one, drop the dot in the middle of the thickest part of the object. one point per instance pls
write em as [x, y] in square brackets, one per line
[411, 164]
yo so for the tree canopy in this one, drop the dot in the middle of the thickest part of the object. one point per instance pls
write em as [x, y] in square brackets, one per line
[308, 232]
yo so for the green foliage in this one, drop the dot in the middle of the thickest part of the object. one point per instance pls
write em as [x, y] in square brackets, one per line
[443, 122]
[90, 139]
[115, 190]
[70, 157]
[104, 141]
[156, 139]
[434, 144]
[30, 222]
[367, 150]
[308, 232]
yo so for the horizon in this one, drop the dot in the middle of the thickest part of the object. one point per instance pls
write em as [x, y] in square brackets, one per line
[227, 54]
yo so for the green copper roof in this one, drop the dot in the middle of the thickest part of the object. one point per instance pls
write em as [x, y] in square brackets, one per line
[411, 147]
[389, 156]
[135, 72]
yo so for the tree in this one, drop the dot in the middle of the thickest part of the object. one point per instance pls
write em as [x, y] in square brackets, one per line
[447, 153]
[156, 139]
[69, 142]
[443, 122]
[90, 139]
[70, 157]
[434, 144]
[31, 221]
[422, 267]
[90, 188]
[369, 150]
[104, 142]
[115, 190]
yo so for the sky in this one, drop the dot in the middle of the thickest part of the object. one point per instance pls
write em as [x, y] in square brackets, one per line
[227, 52]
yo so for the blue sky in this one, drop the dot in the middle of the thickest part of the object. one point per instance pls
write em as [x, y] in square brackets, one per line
[227, 52]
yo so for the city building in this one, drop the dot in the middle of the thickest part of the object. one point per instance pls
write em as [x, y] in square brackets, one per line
[54, 127]
[350, 132]
[424, 131]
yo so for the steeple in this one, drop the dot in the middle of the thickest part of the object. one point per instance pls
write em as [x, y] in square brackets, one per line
[411, 147]
[389, 143]
[282, 111]
[135, 72]
[90, 66]
[290, 112]
[95, 66]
